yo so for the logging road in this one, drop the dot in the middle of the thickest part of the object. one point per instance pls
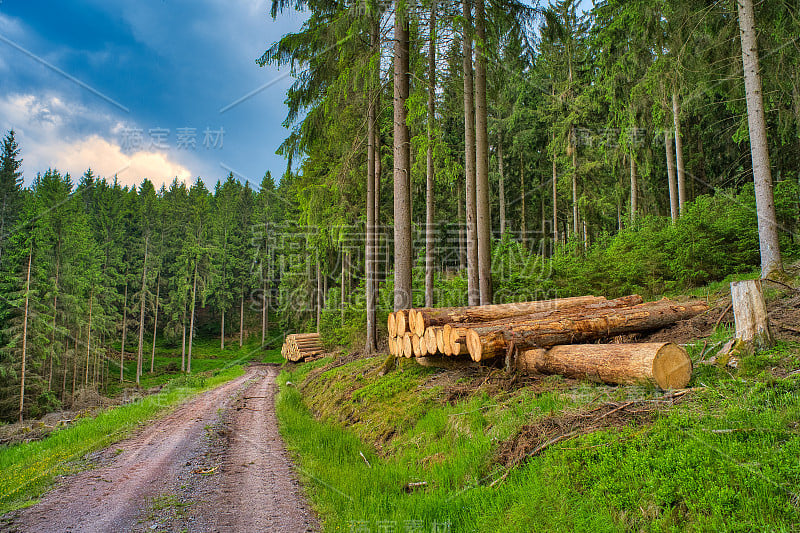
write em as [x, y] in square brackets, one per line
[216, 463]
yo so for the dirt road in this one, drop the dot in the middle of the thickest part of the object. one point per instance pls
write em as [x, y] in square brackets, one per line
[217, 463]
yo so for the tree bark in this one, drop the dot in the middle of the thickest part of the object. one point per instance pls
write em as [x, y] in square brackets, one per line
[484, 220]
[429, 207]
[523, 220]
[89, 343]
[124, 330]
[671, 180]
[183, 341]
[634, 187]
[676, 117]
[241, 320]
[575, 215]
[473, 278]
[489, 342]
[25, 336]
[141, 312]
[425, 318]
[370, 252]
[502, 185]
[403, 253]
[462, 252]
[319, 292]
[155, 324]
[663, 364]
[771, 261]
[222, 332]
[750, 313]
[191, 321]
[555, 202]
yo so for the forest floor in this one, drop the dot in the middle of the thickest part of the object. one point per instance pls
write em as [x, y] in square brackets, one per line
[216, 463]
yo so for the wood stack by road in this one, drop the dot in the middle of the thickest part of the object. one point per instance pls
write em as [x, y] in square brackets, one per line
[298, 346]
[553, 336]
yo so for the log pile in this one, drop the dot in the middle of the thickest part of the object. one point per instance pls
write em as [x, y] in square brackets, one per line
[553, 336]
[298, 346]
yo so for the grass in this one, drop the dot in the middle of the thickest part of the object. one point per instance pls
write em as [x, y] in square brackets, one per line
[28, 470]
[724, 459]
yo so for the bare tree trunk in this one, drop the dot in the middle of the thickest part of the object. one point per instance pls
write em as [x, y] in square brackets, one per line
[124, 330]
[676, 115]
[429, 213]
[634, 187]
[342, 294]
[523, 224]
[264, 308]
[191, 321]
[473, 283]
[759, 151]
[75, 365]
[141, 312]
[555, 203]
[241, 319]
[222, 333]
[319, 292]
[370, 245]
[155, 324]
[482, 160]
[183, 341]
[89, 341]
[25, 336]
[462, 252]
[403, 253]
[575, 216]
[502, 185]
[673, 187]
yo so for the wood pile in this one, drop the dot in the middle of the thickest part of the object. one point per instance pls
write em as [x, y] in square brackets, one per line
[553, 336]
[299, 346]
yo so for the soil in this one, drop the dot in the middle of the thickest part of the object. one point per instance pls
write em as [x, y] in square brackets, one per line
[216, 463]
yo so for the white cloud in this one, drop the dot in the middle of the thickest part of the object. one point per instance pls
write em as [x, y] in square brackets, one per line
[54, 133]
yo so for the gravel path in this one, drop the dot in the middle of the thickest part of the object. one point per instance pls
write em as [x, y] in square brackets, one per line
[216, 463]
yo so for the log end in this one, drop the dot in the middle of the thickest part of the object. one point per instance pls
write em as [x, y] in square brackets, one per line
[391, 325]
[407, 348]
[672, 367]
[400, 322]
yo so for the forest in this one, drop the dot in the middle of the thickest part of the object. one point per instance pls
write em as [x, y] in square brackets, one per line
[438, 154]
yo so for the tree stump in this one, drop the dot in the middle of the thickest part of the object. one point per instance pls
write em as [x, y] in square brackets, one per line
[750, 313]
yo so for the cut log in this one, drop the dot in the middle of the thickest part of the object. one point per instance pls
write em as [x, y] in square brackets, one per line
[665, 365]
[408, 351]
[391, 325]
[489, 342]
[439, 339]
[427, 317]
[401, 321]
[416, 345]
[392, 344]
[750, 313]
[430, 341]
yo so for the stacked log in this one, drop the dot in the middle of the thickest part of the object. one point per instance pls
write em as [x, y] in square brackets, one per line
[298, 346]
[550, 331]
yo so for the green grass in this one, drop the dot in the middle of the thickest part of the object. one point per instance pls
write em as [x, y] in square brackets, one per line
[28, 470]
[724, 459]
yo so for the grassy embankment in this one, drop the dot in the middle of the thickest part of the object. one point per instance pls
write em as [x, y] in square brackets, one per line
[27, 470]
[723, 457]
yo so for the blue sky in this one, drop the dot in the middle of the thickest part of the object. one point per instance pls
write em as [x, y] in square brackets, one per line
[124, 87]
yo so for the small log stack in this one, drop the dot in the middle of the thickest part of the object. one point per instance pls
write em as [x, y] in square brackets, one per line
[552, 336]
[298, 346]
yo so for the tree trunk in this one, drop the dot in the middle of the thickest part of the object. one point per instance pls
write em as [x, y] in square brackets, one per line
[89, 342]
[462, 252]
[183, 342]
[673, 186]
[241, 319]
[264, 307]
[429, 211]
[502, 185]
[319, 292]
[425, 318]
[759, 151]
[141, 312]
[155, 324]
[403, 253]
[53, 337]
[523, 224]
[750, 313]
[25, 336]
[222, 332]
[473, 281]
[676, 116]
[191, 321]
[634, 187]
[370, 244]
[489, 342]
[555, 202]
[124, 330]
[75, 366]
[574, 178]
[663, 364]
[342, 294]
[484, 224]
